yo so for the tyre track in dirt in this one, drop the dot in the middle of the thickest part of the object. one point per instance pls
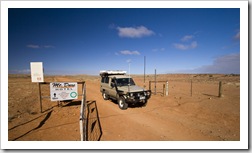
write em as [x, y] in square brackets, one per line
[164, 118]
[142, 123]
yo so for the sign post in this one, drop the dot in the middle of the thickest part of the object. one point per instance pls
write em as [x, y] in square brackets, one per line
[40, 102]
[37, 75]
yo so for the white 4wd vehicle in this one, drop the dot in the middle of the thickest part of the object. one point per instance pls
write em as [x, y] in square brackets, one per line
[118, 86]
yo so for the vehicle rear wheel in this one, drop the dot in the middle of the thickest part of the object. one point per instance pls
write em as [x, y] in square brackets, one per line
[105, 96]
[121, 103]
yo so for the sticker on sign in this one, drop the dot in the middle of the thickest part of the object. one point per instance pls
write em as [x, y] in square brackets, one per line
[63, 91]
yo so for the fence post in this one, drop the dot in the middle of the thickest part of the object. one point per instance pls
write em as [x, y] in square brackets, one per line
[220, 89]
[166, 88]
[155, 82]
[149, 85]
[83, 113]
[191, 88]
[163, 88]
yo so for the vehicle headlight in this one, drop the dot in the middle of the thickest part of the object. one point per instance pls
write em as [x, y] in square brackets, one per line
[131, 94]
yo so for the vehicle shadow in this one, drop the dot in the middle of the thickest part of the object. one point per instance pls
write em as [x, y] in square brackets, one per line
[94, 130]
[137, 105]
[131, 105]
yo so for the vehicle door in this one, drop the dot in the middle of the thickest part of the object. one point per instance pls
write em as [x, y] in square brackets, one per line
[112, 87]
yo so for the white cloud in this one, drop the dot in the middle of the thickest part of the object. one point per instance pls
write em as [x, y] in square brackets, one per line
[225, 64]
[39, 46]
[33, 46]
[186, 42]
[162, 49]
[24, 71]
[237, 36]
[48, 46]
[128, 52]
[194, 44]
[158, 49]
[132, 32]
[187, 38]
[236, 41]
[21, 71]
[180, 46]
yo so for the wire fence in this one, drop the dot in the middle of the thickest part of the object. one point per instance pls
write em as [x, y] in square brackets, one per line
[186, 87]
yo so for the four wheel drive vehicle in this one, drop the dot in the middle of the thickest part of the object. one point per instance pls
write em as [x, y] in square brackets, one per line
[118, 86]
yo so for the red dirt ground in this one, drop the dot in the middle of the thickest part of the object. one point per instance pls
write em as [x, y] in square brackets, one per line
[178, 116]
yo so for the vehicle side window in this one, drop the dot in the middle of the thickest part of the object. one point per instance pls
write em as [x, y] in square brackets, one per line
[112, 82]
[105, 80]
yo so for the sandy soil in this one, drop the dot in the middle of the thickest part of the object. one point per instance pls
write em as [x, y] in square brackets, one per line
[185, 114]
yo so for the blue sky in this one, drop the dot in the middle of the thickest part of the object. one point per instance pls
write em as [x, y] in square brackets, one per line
[85, 41]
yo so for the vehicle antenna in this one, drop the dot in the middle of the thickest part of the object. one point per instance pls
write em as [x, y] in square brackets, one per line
[144, 70]
[129, 78]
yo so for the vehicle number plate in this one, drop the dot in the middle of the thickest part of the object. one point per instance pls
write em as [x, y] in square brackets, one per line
[141, 98]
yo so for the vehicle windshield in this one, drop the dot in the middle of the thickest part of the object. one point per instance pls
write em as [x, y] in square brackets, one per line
[125, 82]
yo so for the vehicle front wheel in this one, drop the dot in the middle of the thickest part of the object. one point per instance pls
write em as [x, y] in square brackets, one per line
[121, 103]
[105, 96]
[145, 103]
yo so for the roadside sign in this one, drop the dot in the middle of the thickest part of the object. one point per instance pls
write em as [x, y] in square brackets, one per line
[37, 72]
[63, 91]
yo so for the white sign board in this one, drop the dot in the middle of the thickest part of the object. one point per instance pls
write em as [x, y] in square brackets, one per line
[37, 72]
[63, 91]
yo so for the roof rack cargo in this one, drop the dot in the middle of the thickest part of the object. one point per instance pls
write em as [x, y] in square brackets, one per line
[112, 72]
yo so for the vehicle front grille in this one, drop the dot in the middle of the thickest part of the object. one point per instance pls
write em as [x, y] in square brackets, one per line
[138, 94]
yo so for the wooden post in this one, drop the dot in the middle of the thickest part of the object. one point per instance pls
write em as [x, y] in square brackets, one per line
[83, 120]
[191, 88]
[167, 89]
[155, 82]
[163, 89]
[220, 89]
[39, 96]
[149, 85]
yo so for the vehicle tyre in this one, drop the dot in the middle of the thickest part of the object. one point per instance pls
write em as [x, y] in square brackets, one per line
[145, 103]
[121, 103]
[105, 96]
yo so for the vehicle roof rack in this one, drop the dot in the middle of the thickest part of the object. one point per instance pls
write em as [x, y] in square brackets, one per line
[112, 72]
